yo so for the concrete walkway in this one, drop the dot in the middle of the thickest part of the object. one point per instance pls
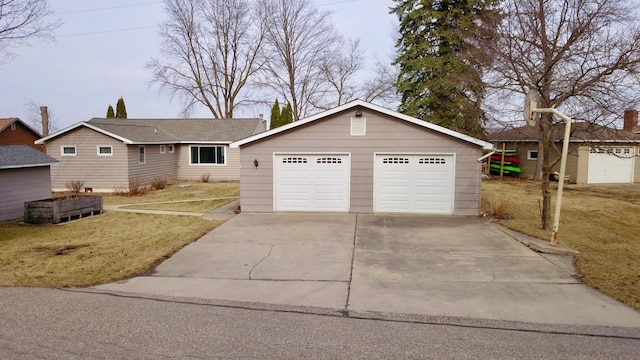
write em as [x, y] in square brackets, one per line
[374, 263]
[222, 213]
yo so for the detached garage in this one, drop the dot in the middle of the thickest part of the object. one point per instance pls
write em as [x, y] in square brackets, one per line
[360, 157]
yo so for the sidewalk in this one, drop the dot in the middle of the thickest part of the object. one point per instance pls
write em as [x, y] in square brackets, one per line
[222, 213]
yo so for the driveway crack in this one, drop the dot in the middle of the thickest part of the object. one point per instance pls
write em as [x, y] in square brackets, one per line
[261, 260]
[345, 312]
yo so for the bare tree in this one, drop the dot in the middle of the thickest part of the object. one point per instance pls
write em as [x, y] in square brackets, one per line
[299, 40]
[212, 47]
[35, 119]
[581, 56]
[339, 70]
[22, 20]
[380, 89]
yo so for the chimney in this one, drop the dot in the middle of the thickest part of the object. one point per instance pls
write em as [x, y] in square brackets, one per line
[44, 114]
[630, 120]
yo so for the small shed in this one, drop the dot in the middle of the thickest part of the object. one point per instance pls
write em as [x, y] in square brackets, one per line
[24, 176]
[361, 157]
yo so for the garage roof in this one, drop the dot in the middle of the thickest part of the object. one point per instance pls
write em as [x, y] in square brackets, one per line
[366, 105]
[23, 156]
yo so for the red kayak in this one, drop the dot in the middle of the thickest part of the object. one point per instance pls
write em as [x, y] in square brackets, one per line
[498, 158]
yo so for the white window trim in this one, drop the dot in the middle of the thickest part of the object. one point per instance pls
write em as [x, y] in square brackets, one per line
[529, 157]
[144, 154]
[62, 153]
[171, 149]
[163, 149]
[208, 164]
[104, 146]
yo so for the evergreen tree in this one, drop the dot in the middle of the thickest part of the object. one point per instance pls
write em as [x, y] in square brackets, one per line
[110, 113]
[287, 114]
[440, 78]
[274, 120]
[121, 109]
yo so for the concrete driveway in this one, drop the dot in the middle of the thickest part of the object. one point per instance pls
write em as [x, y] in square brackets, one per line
[406, 264]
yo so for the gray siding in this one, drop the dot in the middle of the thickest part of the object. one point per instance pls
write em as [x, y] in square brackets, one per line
[383, 134]
[18, 186]
[156, 165]
[102, 173]
[228, 172]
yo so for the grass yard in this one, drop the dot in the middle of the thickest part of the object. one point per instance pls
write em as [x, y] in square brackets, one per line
[111, 246]
[184, 196]
[601, 222]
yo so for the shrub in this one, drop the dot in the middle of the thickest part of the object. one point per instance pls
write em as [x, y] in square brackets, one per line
[75, 186]
[136, 187]
[205, 178]
[159, 183]
[495, 208]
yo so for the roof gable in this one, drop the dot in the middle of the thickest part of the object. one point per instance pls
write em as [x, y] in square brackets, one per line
[168, 131]
[6, 122]
[23, 156]
[366, 105]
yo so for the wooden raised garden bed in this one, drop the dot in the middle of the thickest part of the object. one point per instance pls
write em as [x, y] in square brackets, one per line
[57, 210]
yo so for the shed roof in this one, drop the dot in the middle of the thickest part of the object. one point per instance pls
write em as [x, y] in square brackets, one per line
[23, 156]
[580, 132]
[169, 131]
[366, 105]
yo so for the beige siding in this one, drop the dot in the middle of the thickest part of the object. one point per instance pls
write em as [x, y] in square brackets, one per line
[636, 170]
[188, 171]
[18, 186]
[383, 134]
[528, 167]
[156, 165]
[102, 173]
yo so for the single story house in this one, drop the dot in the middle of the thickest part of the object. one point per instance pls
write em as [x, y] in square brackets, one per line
[107, 154]
[14, 131]
[24, 176]
[360, 157]
[597, 154]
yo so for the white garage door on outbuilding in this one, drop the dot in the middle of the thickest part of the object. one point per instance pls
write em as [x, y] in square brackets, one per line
[414, 183]
[311, 182]
[613, 165]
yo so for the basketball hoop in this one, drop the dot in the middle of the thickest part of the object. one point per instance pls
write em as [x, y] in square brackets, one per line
[531, 102]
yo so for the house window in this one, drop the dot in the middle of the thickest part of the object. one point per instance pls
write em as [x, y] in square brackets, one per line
[105, 150]
[208, 155]
[170, 149]
[142, 156]
[532, 154]
[68, 150]
[163, 149]
[13, 126]
[358, 126]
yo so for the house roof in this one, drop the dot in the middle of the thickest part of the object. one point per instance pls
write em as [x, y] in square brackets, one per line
[169, 131]
[580, 132]
[366, 105]
[6, 122]
[23, 156]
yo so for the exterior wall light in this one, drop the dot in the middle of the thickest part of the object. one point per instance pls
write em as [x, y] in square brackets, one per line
[255, 163]
[358, 113]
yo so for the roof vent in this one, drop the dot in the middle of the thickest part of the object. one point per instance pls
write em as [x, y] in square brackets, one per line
[155, 131]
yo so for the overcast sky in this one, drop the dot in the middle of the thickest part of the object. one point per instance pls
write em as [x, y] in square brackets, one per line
[101, 49]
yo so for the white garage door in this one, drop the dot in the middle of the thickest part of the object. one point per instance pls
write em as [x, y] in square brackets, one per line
[610, 165]
[414, 183]
[311, 182]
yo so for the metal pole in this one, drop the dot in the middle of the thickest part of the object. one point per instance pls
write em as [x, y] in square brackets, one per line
[563, 168]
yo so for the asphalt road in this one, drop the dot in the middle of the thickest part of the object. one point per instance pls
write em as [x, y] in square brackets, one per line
[76, 324]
